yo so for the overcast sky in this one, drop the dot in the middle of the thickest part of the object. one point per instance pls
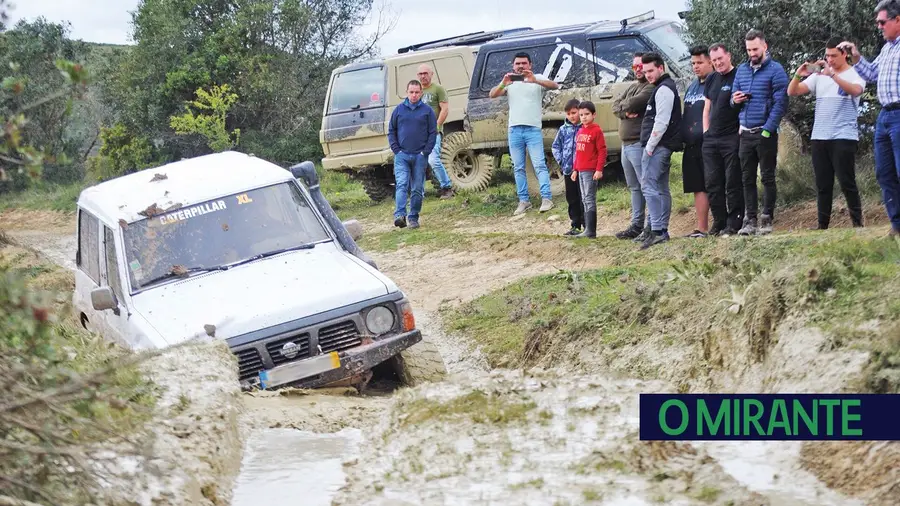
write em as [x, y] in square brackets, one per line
[110, 20]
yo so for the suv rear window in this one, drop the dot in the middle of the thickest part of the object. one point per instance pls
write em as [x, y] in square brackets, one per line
[669, 39]
[357, 89]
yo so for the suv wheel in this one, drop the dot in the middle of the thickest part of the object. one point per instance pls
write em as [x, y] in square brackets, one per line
[377, 188]
[467, 169]
[420, 363]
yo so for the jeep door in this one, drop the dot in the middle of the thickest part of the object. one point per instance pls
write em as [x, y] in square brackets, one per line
[612, 76]
[355, 113]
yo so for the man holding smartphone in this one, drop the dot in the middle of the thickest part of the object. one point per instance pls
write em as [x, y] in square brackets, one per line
[835, 134]
[885, 70]
[760, 93]
[525, 90]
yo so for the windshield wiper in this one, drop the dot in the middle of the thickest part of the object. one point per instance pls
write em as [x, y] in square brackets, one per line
[272, 253]
[178, 272]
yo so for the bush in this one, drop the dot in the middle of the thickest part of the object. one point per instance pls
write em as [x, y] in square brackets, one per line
[121, 152]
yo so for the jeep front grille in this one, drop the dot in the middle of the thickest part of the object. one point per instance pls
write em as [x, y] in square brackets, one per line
[302, 351]
[249, 363]
[339, 337]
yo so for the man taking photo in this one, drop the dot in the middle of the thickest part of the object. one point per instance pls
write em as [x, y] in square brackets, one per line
[630, 108]
[721, 164]
[835, 134]
[525, 90]
[760, 92]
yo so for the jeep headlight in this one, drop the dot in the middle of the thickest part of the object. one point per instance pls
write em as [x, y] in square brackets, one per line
[380, 320]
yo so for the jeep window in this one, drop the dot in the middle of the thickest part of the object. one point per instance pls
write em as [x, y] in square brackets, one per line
[498, 63]
[219, 232]
[613, 58]
[89, 245]
[669, 40]
[112, 265]
[357, 89]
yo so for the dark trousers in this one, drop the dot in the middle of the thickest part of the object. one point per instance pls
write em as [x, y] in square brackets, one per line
[887, 162]
[755, 152]
[724, 182]
[830, 159]
[573, 197]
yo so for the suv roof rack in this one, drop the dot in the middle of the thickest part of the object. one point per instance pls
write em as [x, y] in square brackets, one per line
[637, 19]
[463, 40]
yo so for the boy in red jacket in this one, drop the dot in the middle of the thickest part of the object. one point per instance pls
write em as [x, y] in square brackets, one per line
[590, 158]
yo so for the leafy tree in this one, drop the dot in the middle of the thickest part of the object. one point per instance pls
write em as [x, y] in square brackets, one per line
[211, 126]
[795, 30]
[276, 55]
[121, 152]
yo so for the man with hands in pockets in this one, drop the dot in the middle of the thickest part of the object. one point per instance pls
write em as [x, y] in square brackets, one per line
[412, 133]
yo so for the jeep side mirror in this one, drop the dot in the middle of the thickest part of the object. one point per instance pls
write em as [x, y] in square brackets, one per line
[354, 228]
[103, 298]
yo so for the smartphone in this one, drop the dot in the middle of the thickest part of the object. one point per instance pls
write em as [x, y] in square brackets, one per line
[516, 77]
[748, 95]
[815, 69]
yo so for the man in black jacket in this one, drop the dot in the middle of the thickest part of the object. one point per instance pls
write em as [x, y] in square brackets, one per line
[660, 137]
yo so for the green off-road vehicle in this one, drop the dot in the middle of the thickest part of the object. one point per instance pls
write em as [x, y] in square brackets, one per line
[361, 97]
[590, 61]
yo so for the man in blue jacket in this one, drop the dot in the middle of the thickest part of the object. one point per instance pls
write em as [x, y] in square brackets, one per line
[412, 133]
[760, 92]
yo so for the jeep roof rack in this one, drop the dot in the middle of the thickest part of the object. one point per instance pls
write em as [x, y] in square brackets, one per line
[637, 19]
[462, 40]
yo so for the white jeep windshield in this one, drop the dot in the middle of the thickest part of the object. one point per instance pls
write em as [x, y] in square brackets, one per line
[219, 233]
[357, 89]
[670, 39]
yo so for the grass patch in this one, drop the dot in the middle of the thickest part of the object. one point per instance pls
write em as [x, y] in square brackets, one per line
[44, 197]
[682, 291]
[478, 406]
[708, 494]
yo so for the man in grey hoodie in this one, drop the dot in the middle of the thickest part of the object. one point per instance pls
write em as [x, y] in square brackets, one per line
[630, 108]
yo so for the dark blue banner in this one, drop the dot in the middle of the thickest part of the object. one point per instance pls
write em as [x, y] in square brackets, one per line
[772, 417]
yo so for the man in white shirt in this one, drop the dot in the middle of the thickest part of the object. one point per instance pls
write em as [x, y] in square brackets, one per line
[525, 90]
[835, 136]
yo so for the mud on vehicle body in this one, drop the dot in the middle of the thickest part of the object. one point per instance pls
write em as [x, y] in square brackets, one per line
[361, 97]
[590, 61]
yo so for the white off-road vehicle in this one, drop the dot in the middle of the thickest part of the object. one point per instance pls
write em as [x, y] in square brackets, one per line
[236, 248]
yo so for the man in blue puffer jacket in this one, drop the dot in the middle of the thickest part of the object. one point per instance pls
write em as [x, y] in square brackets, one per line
[760, 92]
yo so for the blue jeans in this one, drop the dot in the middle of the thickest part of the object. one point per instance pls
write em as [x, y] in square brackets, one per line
[409, 174]
[887, 162]
[631, 165]
[522, 137]
[434, 159]
[655, 185]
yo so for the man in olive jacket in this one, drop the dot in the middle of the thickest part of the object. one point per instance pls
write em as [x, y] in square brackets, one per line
[629, 108]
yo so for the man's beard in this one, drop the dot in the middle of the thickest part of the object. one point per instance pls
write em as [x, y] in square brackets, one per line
[642, 79]
[755, 60]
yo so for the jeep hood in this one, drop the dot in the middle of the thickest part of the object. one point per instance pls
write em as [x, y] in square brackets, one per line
[261, 294]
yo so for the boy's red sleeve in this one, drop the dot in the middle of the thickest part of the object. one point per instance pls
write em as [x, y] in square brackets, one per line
[601, 151]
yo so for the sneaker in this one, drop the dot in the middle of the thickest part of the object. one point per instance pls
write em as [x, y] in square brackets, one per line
[727, 232]
[573, 231]
[413, 224]
[894, 232]
[447, 193]
[765, 224]
[654, 238]
[697, 234]
[643, 235]
[749, 228]
[400, 222]
[717, 229]
[546, 205]
[629, 233]
[524, 205]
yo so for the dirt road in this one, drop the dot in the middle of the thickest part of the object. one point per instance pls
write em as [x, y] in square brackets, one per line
[482, 436]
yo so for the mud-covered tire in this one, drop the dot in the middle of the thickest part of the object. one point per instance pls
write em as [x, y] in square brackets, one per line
[467, 169]
[377, 189]
[420, 363]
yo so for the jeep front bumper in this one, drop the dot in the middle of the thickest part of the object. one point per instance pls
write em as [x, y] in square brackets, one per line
[335, 366]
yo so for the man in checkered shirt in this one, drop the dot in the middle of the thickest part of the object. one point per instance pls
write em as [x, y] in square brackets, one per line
[885, 71]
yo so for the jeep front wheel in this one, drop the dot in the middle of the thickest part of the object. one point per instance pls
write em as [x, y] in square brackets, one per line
[420, 363]
[377, 188]
[467, 169]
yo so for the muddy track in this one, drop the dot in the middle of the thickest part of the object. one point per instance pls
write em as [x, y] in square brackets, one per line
[572, 438]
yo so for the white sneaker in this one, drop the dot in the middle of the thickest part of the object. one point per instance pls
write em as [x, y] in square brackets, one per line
[546, 205]
[524, 205]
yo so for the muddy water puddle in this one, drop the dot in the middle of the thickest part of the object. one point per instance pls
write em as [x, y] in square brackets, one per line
[284, 466]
